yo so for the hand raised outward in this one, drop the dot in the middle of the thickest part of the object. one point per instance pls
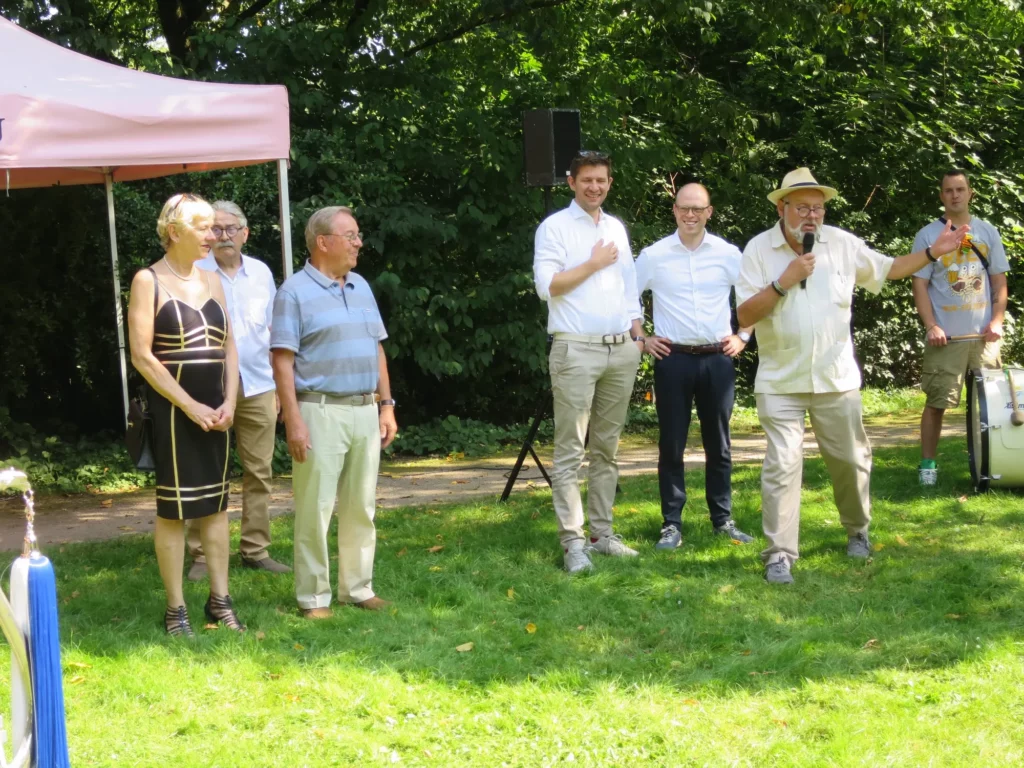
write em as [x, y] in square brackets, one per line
[388, 425]
[799, 269]
[936, 337]
[297, 434]
[225, 417]
[604, 254]
[657, 346]
[949, 240]
[203, 415]
[993, 331]
[733, 345]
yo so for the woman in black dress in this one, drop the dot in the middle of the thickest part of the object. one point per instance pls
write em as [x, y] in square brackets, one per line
[181, 344]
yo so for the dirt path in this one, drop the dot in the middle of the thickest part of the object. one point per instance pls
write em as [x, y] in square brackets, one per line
[96, 517]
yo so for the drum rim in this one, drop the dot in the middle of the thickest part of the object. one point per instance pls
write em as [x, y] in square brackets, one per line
[979, 474]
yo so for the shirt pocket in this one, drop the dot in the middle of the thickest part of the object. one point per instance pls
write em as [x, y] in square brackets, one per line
[841, 290]
[256, 309]
[373, 323]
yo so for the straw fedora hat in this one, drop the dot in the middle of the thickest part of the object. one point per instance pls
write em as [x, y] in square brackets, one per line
[801, 178]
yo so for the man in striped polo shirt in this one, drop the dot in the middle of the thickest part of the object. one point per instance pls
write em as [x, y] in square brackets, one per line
[329, 367]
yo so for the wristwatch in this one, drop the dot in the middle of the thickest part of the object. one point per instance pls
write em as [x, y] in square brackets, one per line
[744, 337]
[392, 403]
[641, 339]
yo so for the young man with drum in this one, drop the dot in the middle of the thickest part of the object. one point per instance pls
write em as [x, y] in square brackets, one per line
[961, 299]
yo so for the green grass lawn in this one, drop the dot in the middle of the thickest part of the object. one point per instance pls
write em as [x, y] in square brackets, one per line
[670, 659]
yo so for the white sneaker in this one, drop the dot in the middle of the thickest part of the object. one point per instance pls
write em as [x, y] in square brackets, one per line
[611, 545]
[577, 559]
[928, 476]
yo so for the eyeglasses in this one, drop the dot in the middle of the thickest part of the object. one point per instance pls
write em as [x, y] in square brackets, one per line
[591, 154]
[693, 210]
[230, 230]
[807, 210]
[350, 236]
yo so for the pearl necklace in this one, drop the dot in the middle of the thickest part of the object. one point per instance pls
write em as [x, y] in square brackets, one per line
[174, 272]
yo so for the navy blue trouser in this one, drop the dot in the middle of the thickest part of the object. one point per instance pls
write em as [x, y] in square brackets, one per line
[679, 380]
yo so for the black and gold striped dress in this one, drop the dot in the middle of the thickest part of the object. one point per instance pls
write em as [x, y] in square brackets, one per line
[191, 465]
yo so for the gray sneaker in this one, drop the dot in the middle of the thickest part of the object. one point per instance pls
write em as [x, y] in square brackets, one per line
[858, 545]
[576, 558]
[778, 573]
[671, 538]
[611, 545]
[728, 528]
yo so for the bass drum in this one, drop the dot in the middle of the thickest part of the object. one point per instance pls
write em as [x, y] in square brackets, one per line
[995, 445]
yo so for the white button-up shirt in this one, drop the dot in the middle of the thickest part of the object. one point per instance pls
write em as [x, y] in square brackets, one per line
[250, 296]
[607, 301]
[690, 288]
[804, 345]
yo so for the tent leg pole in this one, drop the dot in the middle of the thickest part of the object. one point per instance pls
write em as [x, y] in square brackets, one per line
[286, 218]
[118, 309]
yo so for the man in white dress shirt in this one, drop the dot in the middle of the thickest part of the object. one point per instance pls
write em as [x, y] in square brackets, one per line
[805, 359]
[249, 290]
[583, 268]
[690, 274]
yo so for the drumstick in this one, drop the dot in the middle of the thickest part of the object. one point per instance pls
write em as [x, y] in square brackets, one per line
[1017, 417]
[966, 337]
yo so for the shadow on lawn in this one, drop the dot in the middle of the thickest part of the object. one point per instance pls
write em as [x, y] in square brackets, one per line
[945, 582]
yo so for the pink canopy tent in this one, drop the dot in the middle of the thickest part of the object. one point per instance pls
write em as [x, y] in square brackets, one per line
[66, 118]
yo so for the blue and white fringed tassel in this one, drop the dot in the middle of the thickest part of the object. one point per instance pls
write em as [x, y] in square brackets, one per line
[51, 737]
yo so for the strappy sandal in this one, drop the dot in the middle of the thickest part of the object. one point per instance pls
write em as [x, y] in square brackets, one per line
[220, 610]
[176, 622]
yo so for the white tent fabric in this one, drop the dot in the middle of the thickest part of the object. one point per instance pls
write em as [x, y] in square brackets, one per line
[66, 118]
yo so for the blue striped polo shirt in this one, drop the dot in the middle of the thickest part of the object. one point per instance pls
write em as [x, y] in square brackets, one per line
[333, 329]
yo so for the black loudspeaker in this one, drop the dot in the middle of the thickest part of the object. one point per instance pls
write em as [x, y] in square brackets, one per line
[551, 139]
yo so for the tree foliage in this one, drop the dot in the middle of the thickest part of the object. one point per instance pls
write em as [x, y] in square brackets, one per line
[411, 113]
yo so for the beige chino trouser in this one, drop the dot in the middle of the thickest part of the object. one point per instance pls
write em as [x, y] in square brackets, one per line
[839, 429]
[591, 384]
[340, 472]
[254, 426]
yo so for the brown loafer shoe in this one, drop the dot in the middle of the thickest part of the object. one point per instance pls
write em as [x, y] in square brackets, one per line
[317, 613]
[266, 564]
[373, 604]
[198, 571]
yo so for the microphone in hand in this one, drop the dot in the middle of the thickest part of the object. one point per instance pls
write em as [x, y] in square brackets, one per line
[808, 247]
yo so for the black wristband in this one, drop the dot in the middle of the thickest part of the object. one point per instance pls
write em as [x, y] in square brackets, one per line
[777, 287]
[928, 253]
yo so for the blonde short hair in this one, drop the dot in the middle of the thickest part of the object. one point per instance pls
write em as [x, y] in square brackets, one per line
[183, 208]
[320, 223]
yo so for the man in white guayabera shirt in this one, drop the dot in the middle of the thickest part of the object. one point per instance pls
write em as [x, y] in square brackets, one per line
[961, 294]
[691, 274]
[249, 290]
[583, 269]
[799, 302]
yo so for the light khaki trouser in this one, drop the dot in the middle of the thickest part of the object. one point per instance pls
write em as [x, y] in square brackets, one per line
[340, 471]
[591, 384]
[255, 422]
[839, 429]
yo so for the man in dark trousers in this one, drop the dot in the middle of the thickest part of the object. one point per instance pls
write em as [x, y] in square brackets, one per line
[690, 274]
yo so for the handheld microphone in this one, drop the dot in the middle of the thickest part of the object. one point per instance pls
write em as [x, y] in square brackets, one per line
[808, 247]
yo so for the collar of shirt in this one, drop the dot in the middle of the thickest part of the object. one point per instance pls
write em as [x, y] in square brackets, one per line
[703, 242]
[210, 262]
[323, 280]
[577, 212]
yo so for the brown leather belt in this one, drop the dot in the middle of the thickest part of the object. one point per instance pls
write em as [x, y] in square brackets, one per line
[702, 349]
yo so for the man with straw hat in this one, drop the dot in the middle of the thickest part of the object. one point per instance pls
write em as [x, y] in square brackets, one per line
[796, 288]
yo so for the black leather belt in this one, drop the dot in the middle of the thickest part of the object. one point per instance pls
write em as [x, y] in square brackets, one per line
[701, 349]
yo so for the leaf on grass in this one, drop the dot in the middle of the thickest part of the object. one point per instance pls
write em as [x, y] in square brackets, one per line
[691, 702]
[433, 512]
[125, 528]
[435, 568]
[535, 515]
[273, 675]
[83, 665]
[745, 653]
[464, 648]
[435, 549]
[676, 663]
[962, 499]
[75, 594]
[402, 551]
[299, 647]
[870, 644]
[633, 509]
[76, 680]
[735, 542]
[901, 541]
[261, 635]
[580, 628]
[318, 733]
[726, 588]
[531, 628]
[662, 632]
[511, 593]
[292, 698]
[211, 626]
[766, 672]
[878, 546]
[780, 723]
[107, 503]
[953, 616]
